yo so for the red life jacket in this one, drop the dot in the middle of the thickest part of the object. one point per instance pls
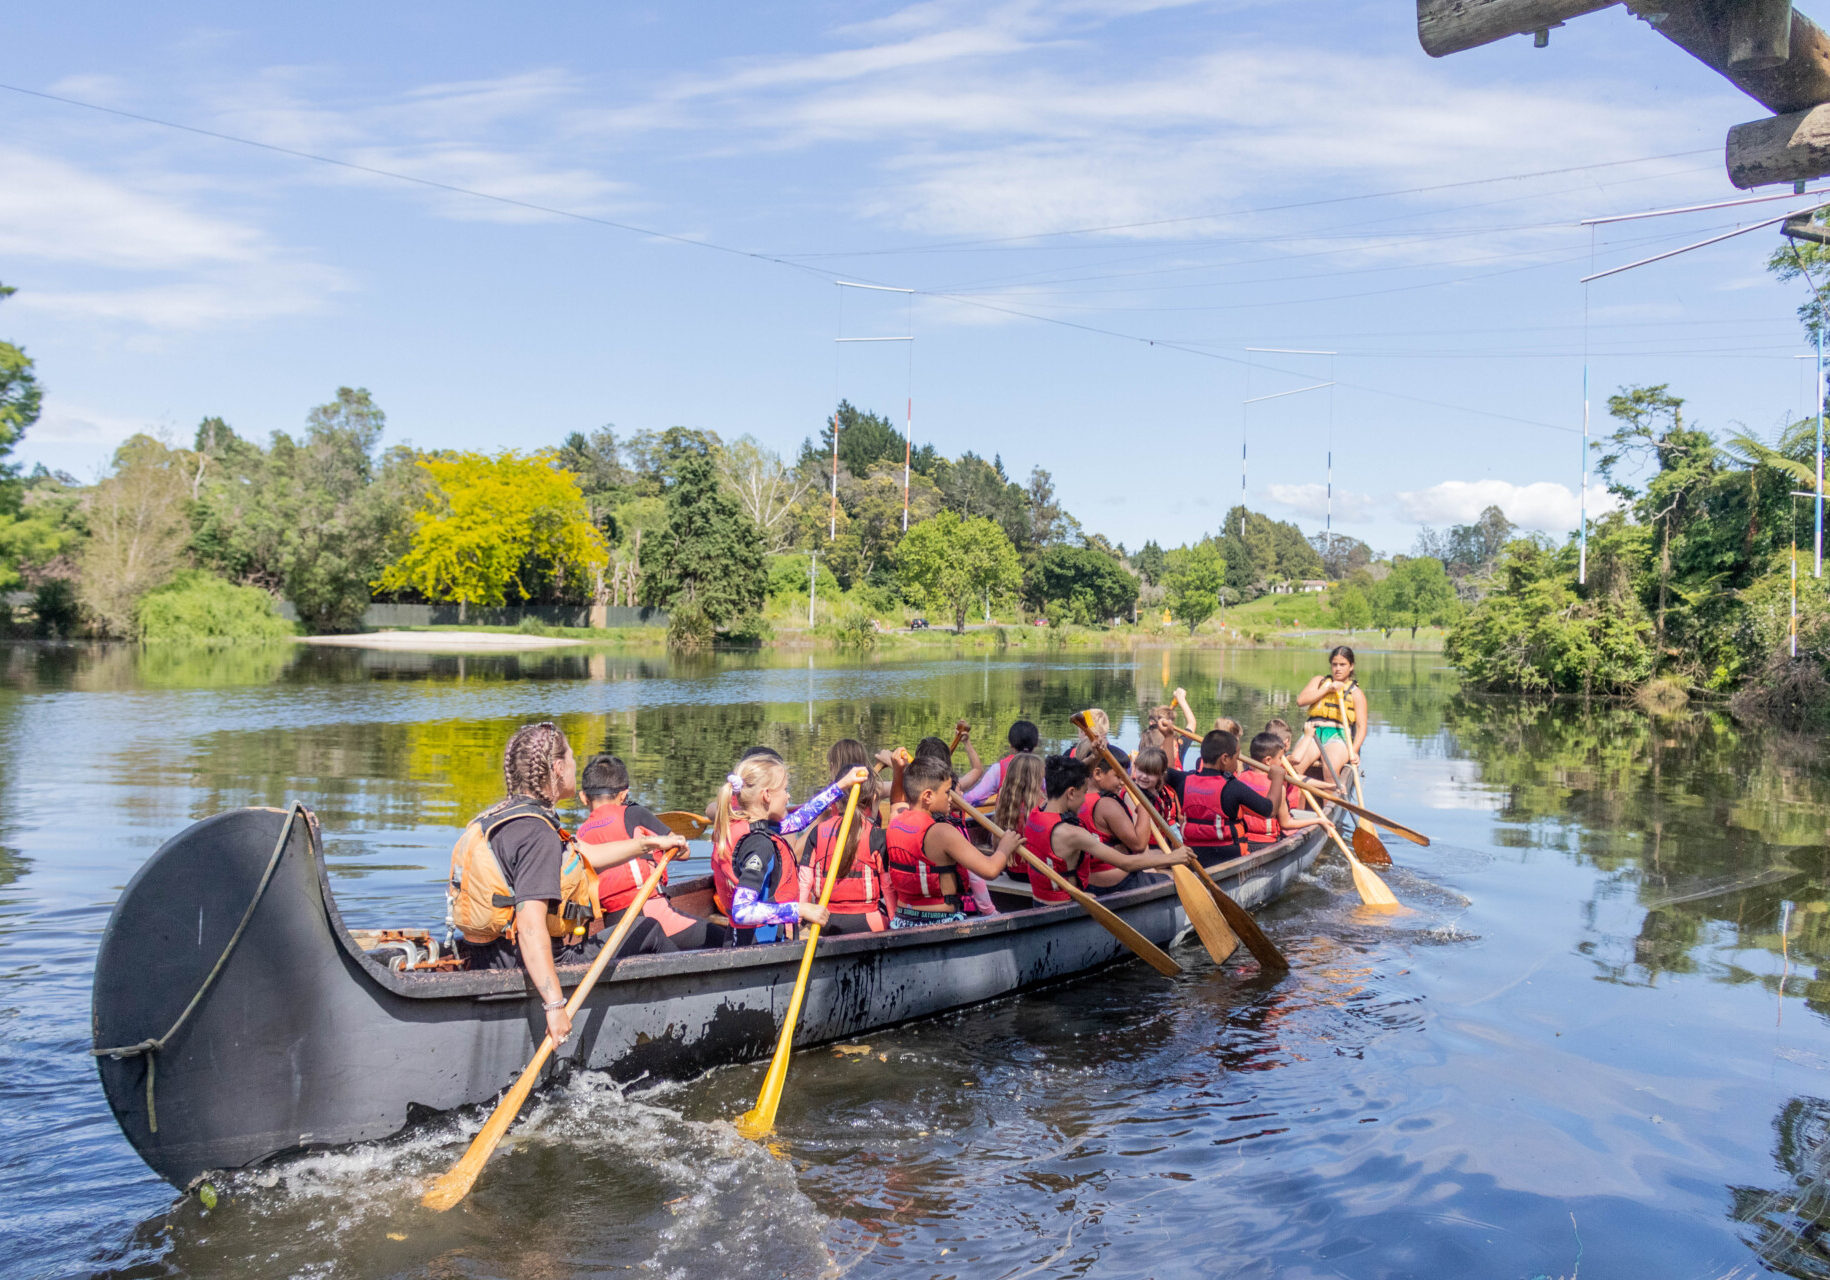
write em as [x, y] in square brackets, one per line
[1255, 829]
[1207, 827]
[917, 883]
[617, 886]
[786, 886]
[1165, 801]
[1039, 839]
[1088, 863]
[860, 890]
[724, 872]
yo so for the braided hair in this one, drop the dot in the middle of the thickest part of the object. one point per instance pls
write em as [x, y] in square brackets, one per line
[529, 761]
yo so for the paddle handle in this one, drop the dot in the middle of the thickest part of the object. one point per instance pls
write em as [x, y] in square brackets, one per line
[455, 1183]
[960, 731]
[997, 833]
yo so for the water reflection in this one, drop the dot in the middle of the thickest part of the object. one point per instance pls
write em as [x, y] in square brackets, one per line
[1788, 1224]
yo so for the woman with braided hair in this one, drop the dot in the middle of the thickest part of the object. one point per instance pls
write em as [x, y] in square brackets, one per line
[522, 892]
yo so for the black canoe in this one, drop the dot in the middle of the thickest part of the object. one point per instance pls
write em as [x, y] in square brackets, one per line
[296, 1037]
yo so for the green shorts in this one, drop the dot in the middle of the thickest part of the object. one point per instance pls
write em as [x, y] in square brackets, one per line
[1330, 733]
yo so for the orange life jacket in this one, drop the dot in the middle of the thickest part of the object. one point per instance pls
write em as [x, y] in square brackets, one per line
[477, 898]
[1256, 829]
[860, 890]
[617, 886]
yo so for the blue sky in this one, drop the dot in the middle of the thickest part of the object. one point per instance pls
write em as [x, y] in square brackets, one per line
[1207, 176]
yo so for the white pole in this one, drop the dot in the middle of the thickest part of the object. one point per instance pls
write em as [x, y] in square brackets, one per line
[1818, 534]
[813, 585]
[1582, 558]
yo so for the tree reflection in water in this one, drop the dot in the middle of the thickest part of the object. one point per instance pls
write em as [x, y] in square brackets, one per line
[1788, 1224]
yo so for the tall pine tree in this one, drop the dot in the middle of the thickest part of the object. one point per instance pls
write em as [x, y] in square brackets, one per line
[705, 566]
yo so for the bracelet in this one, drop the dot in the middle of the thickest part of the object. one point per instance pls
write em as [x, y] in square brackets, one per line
[551, 1005]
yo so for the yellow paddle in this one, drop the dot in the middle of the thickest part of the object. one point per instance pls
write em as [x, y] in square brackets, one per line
[455, 1183]
[1373, 891]
[681, 823]
[1366, 841]
[1233, 915]
[1144, 948]
[758, 1120]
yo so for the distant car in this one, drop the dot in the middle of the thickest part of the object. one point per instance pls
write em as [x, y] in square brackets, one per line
[918, 624]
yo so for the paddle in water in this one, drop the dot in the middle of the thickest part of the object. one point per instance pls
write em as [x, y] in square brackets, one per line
[1366, 841]
[455, 1183]
[1373, 891]
[758, 1120]
[1237, 918]
[1144, 948]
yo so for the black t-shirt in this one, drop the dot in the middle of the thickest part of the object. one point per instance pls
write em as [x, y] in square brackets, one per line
[755, 853]
[637, 819]
[530, 853]
[1234, 794]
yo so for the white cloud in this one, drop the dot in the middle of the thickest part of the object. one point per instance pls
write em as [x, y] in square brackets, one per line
[1545, 505]
[52, 210]
[1312, 500]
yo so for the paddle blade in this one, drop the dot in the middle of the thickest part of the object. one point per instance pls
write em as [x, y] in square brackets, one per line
[1371, 849]
[1374, 892]
[1262, 948]
[690, 825]
[455, 1183]
[1204, 914]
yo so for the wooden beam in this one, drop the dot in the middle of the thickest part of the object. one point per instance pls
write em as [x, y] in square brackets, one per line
[1789, 148]
[1450, 26]
[1759, 35]
[1703, 29]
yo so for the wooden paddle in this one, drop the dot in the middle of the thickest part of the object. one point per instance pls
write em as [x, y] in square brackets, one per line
[1373, 891]
[1144, 948]
[453, 1185]
[960, 730]
[681, 823]
[1234, 915]
[1397, 827]
[758, 1120]
[1366, 841]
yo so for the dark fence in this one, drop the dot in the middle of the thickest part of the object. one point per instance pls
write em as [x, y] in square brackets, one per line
[380, 616]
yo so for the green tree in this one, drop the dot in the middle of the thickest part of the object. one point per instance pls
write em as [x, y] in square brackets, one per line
[316, 519]
[1350, 609]
[1416, 593]
[1193, 578]
[1148, 561]
[1684, 462]
[871, 523]
[705, 564]
[1094, 586]
[970, 486]
[21, 399]
[1339, 554]
[484, 519]
[1535, 634]
[138, 532]
[950, 565]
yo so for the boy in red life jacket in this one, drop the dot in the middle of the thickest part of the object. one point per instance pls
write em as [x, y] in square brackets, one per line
[1055, 835]
[976, 899]
[860, 901]
[926, 855]
[627, 835]
[1124, 852]
[1212, 798]
[1258, 829]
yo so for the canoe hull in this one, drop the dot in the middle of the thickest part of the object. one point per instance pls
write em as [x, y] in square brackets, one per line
[302, 1040]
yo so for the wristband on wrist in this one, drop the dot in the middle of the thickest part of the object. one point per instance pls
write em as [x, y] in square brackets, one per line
[551, 1005]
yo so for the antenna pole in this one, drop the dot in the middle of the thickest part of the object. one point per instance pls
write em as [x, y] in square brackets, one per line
[832, 523]
[1818, 531]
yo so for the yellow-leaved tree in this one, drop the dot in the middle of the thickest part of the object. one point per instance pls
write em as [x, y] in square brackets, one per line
[491, 526]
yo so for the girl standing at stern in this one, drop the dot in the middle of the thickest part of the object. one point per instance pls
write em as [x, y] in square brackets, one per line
[1337, 715]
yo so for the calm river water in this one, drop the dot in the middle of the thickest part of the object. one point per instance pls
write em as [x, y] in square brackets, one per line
[1597, 1039]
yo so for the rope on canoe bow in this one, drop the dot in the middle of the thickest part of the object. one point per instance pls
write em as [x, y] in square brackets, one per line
[149, 1049]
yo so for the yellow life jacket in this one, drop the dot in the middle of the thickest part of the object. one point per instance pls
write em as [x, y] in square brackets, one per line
[1335, 707]
[478, 902]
